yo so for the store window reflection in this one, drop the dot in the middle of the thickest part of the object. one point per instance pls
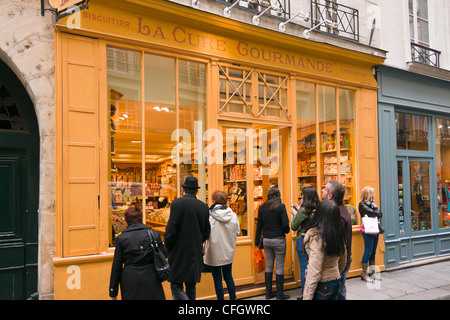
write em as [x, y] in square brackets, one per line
[192, 111]
[412, 131]
[160, 122]
[443, 171]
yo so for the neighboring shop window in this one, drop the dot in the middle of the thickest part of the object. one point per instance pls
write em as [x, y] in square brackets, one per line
[412, 131]
[152, 153]
[335, 129]
[443, 170]
[420, 198]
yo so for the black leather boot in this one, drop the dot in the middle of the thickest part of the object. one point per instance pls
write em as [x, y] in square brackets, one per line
[280, 287]
[268, 281]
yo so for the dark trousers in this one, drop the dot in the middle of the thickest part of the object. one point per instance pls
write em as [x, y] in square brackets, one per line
[226, 271]
[179, 294]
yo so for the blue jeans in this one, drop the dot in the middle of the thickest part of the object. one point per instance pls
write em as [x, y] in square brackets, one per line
[343, 289]
[328, 290]
[370, 247]
[228, 277]
[302, 259]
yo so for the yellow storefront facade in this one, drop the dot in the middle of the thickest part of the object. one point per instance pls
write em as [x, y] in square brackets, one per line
[150, 92]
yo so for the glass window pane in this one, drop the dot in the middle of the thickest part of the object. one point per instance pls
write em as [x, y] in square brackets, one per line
[328, 135]
[306, 136]
[423, 30]
[412, 131]
[235, 173]
[192, 108]
[420, 198]
[124, 94]
[443, 170]
[160, 122]
[422, 9]
[401, 210]
[347, 109]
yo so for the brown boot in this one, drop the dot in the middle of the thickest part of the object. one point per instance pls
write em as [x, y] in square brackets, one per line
[371, 268]
[364, 275]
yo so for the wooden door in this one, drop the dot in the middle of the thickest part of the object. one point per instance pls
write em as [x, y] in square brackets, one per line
[19, 189]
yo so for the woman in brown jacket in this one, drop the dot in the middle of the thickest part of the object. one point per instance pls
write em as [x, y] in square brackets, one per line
[325, 244]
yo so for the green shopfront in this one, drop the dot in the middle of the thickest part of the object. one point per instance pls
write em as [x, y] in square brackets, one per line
[414, 127]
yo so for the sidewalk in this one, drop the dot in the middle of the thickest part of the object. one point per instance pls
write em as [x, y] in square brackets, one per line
[423, 282]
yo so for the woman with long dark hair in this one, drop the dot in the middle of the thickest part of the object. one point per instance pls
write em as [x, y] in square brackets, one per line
[301, 223]
[273, 224]
[325, 244]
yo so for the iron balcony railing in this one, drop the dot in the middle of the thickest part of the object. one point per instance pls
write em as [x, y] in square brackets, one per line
[425, 55]
[341, 21]
[280, 8]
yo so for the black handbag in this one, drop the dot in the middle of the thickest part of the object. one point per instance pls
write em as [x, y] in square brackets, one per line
[161, 265]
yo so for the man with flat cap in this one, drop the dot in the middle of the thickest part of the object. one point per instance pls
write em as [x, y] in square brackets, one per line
[188, 227]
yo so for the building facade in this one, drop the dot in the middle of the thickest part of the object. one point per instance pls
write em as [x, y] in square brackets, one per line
[413, 125]
[142, 89]
[126, 99]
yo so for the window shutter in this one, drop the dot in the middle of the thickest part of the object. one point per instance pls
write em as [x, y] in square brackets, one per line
[80, 145]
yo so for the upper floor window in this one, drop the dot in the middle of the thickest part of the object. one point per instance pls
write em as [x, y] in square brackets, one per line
[419, 22]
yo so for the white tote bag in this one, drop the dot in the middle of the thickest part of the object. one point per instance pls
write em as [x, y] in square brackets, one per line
[370, 225]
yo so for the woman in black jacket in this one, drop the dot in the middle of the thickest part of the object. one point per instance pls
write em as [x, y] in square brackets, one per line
[273, 224]
[368, 208]
[133, 266]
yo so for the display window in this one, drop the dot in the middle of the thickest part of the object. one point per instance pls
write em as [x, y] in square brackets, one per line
[251, 166]
[443, 170]
[326, 139]
[157, 106]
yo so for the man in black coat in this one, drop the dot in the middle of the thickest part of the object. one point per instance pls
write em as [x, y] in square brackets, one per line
[188, 227]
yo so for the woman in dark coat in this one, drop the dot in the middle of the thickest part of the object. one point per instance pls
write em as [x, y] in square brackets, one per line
[273, 225]
[133, 267]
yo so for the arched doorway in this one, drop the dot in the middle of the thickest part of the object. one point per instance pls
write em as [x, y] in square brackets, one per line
[19, 189]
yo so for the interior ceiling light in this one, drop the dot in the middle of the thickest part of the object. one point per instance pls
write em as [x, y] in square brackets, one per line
[306, 17]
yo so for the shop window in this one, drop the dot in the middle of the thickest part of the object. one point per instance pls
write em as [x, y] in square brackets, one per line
[443, 171]
[412, 131]
[272, 91]
[252, 92]
[248, 176]
[156, 110]
[420, 198]
[325, 144]
[125, 131]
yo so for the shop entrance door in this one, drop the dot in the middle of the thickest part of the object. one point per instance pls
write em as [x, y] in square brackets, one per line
[19, 189]
[415, 208]
[255, 158]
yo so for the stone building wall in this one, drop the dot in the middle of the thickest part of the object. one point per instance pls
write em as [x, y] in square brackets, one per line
[27, 46]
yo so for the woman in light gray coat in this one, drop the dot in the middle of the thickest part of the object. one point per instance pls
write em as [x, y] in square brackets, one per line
[220, 247]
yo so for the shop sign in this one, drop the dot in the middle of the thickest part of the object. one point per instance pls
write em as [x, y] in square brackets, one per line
[134, 25]
[60, 5]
